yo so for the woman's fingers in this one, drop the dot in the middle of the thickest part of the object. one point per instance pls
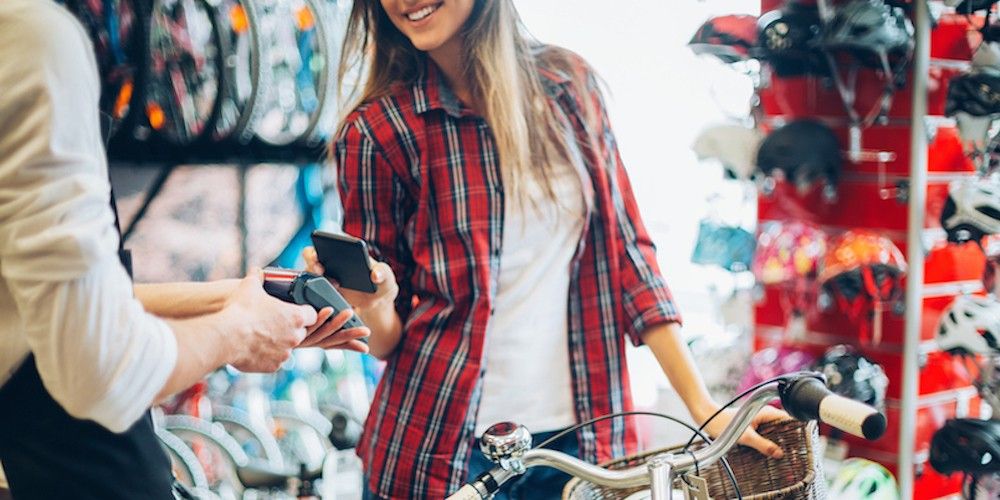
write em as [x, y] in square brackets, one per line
[332, 327]
[763, 445]
[321, 317]
[312, 261]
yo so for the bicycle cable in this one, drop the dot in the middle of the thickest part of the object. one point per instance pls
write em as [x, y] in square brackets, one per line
[697, 433]
[731, 402]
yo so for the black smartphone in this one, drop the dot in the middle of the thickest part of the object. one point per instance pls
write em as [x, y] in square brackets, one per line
[345, 259]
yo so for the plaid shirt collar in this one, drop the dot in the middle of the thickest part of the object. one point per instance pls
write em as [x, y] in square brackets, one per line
[431, 91]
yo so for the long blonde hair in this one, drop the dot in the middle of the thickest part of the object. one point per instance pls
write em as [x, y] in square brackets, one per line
[501, 68]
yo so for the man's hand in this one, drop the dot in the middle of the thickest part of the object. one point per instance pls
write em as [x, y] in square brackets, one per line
[266, 329]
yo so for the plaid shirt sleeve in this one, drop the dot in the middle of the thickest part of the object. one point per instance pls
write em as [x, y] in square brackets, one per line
[646, 299]
[373, 211]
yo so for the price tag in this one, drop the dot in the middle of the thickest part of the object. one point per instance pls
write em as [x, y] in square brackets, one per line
[695, 487]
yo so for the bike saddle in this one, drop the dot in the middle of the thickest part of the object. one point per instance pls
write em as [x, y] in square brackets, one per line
[259, 477]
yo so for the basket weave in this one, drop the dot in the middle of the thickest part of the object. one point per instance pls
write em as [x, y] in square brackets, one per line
[798, 475]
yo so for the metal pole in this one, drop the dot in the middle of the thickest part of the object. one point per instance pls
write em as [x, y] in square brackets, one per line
[914, 249]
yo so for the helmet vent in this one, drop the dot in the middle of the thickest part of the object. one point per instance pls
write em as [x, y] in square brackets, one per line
[989, 211]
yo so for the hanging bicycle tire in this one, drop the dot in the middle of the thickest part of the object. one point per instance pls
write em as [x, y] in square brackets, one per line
[115, 30]
[244, 78]
[296, 62]
[332, 25]
[184, 71]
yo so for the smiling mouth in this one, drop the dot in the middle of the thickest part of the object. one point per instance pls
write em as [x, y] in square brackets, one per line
[423, 13]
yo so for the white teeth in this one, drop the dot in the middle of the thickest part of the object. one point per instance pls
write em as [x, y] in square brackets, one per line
[422, 13]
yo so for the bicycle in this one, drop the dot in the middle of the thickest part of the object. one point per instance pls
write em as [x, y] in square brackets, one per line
[803, 395]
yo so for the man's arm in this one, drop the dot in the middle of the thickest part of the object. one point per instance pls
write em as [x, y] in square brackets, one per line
[99, 354]
[184, 300]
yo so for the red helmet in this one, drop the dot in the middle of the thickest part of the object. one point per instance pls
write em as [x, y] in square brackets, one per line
[787, 252]
[731, 38]
[863, 269]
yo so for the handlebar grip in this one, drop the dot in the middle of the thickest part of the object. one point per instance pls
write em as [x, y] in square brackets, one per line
[808, 398]
[467, 492]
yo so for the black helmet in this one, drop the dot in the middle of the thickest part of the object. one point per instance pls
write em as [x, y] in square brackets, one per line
[977, 94]
[966, 445]
[869, 26]
[786, 39]
[974, 6]
[804, 150]
[731, 38]
[853, 376]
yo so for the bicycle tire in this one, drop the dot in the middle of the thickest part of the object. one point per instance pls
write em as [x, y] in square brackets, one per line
[290, 103]
[300, 441]
[243, 77]
[181, 455]
[115, 28]
[193, 431]
[313, 418]
[331, 31]
[185, 66]
[235, 419]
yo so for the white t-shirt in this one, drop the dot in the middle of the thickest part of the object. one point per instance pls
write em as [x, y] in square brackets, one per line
[527, 375]
[64, 296]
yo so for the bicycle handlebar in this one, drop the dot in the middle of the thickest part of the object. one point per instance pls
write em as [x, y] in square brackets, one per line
[804, 396]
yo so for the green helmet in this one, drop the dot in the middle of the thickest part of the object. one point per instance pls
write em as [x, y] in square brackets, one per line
[860, 479]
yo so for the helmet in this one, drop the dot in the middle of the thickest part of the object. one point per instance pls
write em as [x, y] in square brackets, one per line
[966, 445]
[972, 209]
[966, 6]
[728, 247]
[970, 325]
[733, 145]
[977, 93]
[860, 479]
[861, 271]
[862, 262]
[804, 150]
[853, 376]
[730, 38]
[987, 55]
[788, 251]
[786, 39]
[771, 362]
[869, 26]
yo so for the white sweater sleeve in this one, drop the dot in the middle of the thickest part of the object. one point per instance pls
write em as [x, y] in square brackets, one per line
[100, 355]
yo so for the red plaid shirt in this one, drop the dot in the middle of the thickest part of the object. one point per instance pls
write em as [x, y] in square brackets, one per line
[420, 181]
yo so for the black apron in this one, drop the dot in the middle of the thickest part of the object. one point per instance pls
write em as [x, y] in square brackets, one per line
[48, 454]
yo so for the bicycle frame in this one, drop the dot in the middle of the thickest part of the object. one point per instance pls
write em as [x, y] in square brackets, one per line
[803, 395]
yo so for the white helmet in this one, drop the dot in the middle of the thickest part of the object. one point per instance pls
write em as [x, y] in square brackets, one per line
[987, 55]
[972, 209]
[735, 146]
[971, 325]
[860, 479]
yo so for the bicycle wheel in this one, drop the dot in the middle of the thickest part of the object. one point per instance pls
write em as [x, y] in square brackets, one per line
[114, 29]
[296, 61]
[255, 441]
[182, 89]
[187, 469]
[301, 437]
[218, 453]
[332, 25]
[243, 75]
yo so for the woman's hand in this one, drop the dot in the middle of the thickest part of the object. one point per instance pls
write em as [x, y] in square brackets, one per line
[382, 276]
[750, 437]
[327, 334]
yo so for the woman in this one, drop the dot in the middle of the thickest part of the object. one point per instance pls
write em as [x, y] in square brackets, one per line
[482, 170]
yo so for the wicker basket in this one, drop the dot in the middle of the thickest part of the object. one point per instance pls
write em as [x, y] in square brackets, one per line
[798, 475]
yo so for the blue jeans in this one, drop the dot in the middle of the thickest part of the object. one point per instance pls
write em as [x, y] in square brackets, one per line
[538, 483]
